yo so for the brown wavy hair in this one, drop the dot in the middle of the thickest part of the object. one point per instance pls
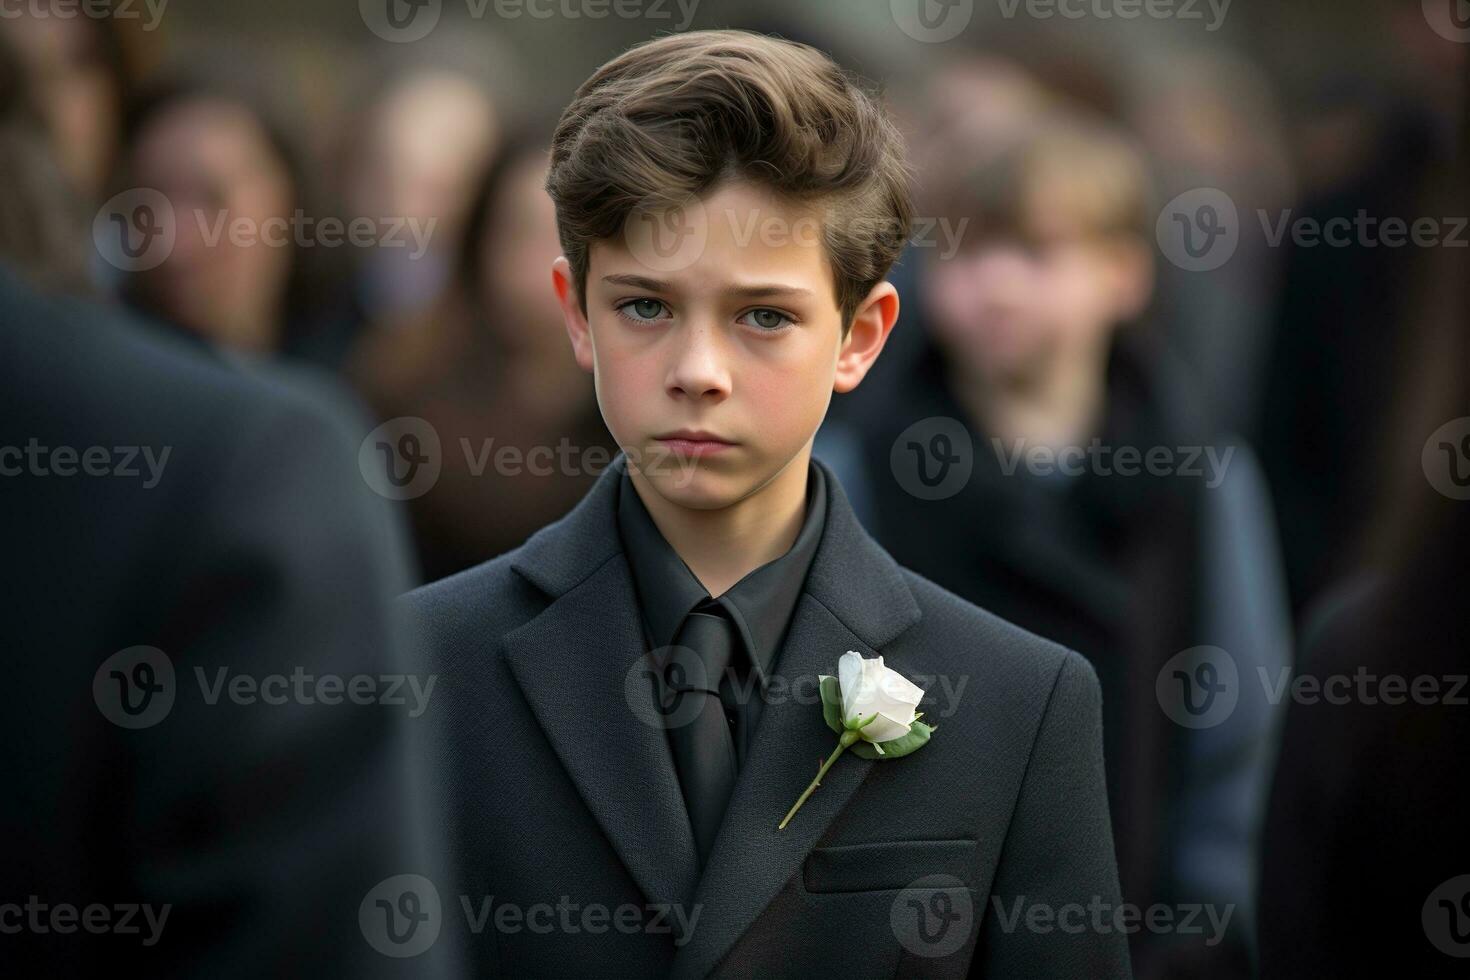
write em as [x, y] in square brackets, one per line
[678, 115]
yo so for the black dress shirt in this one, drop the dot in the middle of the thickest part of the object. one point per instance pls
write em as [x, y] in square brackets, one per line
[760, 604]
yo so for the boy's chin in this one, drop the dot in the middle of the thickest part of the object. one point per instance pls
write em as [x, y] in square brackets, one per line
[695, 486]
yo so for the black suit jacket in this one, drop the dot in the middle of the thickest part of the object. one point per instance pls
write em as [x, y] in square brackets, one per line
[258, 550]
[558, 792]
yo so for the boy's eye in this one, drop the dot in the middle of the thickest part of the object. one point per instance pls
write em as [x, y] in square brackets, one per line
[641, 309]
[767, 319]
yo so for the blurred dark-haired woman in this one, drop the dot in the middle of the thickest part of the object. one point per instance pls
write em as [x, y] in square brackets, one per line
[491, 369]
[235, 274]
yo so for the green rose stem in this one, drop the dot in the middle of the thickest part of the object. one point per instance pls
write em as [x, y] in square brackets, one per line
[851, 735]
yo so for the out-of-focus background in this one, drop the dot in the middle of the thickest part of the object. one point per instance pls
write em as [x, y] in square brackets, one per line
[1291, 112]
[1228, 238]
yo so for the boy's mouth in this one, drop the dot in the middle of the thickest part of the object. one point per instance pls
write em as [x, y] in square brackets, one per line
[693, 442]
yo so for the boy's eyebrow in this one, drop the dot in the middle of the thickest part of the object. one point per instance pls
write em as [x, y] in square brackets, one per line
[756, 290]
[742, 292]
[637, 282]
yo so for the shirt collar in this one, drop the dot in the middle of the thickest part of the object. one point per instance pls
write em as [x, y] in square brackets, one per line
[760, 604]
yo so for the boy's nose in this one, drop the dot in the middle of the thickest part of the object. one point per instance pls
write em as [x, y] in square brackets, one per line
[700, 362]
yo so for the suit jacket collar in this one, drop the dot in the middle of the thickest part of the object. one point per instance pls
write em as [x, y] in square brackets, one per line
[869, 595]
[582, 667]
[760, 604]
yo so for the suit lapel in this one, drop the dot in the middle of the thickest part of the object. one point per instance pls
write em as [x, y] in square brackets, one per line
[855, 599]
[573, 662]
[578, 664]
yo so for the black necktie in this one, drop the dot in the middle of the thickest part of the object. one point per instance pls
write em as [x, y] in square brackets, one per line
[703, 748]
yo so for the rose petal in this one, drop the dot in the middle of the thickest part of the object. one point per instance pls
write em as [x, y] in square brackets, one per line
[849, 678]
[885, 728]
[899, 688]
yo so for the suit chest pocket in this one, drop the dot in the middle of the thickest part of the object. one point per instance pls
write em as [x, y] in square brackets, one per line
[886, 865]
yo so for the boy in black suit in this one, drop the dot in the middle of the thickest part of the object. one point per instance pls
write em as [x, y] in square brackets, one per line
[631, 699]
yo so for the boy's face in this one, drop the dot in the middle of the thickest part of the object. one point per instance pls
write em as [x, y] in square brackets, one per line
[732, 330]
[1014, 306]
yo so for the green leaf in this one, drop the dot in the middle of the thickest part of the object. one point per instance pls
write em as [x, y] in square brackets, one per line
[897, 748]
[831, 703]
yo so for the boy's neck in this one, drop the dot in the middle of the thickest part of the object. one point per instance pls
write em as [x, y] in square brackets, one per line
[723, 546]
[1060, 406]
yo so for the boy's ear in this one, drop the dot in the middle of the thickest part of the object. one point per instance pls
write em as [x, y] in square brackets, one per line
[871, 325]
[571, 311]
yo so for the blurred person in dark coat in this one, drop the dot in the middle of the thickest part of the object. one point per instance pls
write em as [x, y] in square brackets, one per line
[183, 540]
[1365, 858]
[1366, 863]
[1035, 385]
[151, 499]
[1372, 147]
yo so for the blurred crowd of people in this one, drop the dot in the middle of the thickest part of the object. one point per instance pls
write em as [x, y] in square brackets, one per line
[1292, 390]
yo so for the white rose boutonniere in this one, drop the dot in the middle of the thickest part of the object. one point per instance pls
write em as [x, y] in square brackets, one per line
[872, 709]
